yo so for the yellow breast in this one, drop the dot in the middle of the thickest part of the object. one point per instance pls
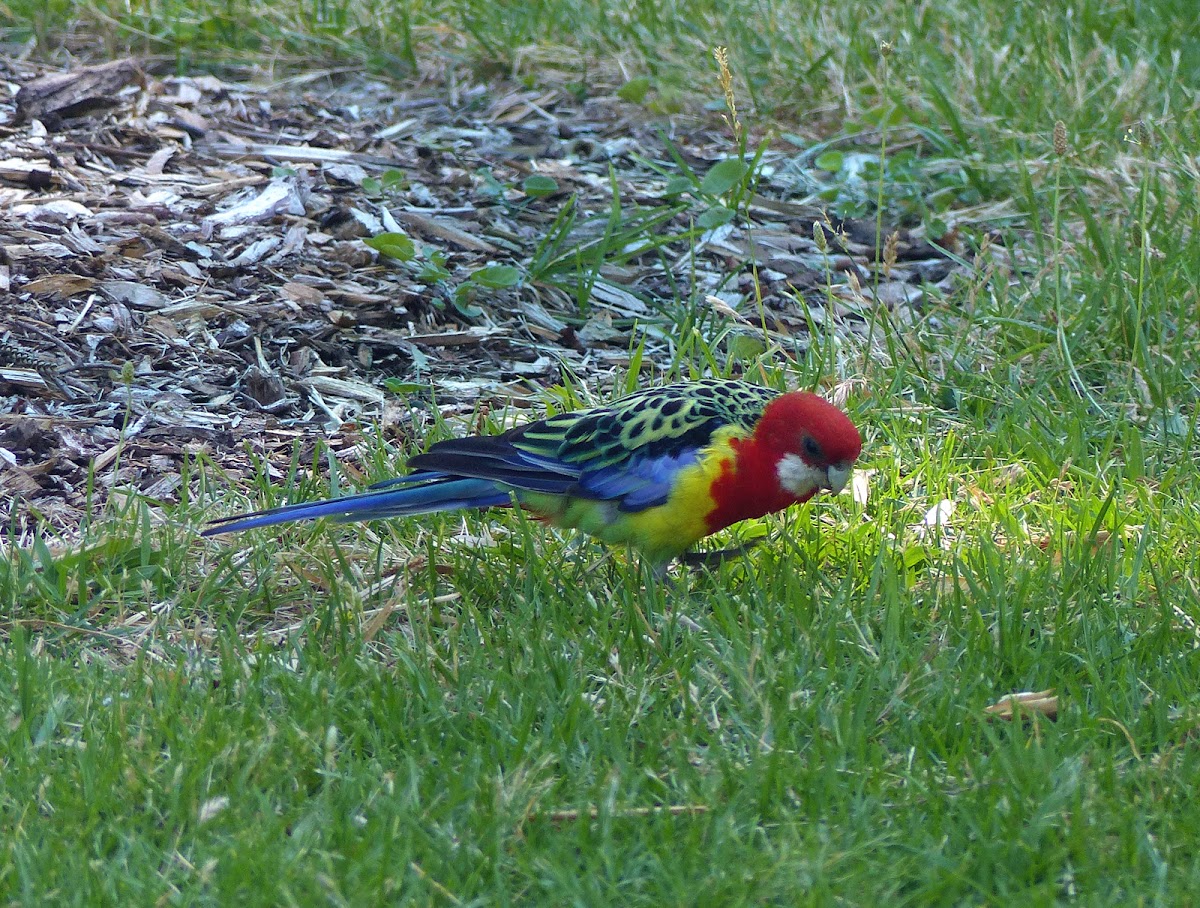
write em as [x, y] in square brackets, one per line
[660, 532]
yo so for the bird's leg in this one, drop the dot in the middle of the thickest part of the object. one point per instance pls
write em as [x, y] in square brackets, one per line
[712, 559]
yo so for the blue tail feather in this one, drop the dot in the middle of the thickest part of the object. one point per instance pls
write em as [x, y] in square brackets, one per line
[434, 494]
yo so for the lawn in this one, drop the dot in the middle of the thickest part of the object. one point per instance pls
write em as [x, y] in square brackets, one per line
[477, 710]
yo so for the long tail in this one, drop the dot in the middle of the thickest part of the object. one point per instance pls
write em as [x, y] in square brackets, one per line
[420, 493]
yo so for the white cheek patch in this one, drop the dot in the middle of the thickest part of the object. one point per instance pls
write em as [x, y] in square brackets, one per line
[798, 478]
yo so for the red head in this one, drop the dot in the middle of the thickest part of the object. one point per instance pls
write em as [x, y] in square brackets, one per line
[801, 444]
[814, 442]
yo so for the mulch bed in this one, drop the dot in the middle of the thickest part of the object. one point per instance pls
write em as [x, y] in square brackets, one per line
[183, 265]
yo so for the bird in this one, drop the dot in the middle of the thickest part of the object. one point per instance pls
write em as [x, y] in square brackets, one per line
[657, 470]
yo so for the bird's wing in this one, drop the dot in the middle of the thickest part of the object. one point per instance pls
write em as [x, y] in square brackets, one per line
[631, 451]
[492, 457]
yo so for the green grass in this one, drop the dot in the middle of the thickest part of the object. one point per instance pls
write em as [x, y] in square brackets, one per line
[411, 712]
[967, 71]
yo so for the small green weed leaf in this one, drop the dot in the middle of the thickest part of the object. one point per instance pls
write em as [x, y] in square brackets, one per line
[405, 388]
[372, 186]
[489, 185]
[539, 186]
[891, 115]
[678, 186]
[714, 217]
[724, 176]
[745, 347]
[830, 161]
[634, 90]
[463, 297]
[433, 271]
[394, 245]
[497, 277]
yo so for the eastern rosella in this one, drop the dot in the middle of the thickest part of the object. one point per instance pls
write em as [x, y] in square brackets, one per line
[657, 470]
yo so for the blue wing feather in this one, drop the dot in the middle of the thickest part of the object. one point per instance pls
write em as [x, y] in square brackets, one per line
[643, 482]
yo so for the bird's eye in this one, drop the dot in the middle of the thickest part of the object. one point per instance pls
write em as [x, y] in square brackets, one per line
[811, 448]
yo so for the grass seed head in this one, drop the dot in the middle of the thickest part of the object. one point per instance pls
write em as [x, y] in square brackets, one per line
[1060, 138]
[891, 247]
[721, 54]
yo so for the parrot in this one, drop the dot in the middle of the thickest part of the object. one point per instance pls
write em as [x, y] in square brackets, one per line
[657, 470]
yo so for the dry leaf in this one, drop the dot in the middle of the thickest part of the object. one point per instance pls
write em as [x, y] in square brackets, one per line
[1043, 702]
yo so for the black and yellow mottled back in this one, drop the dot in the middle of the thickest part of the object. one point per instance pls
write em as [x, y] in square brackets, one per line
[646, 424]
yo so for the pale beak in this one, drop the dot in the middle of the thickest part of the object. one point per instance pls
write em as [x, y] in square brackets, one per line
[836, 476]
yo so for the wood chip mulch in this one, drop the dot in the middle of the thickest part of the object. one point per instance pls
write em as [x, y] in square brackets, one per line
[183, 265]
